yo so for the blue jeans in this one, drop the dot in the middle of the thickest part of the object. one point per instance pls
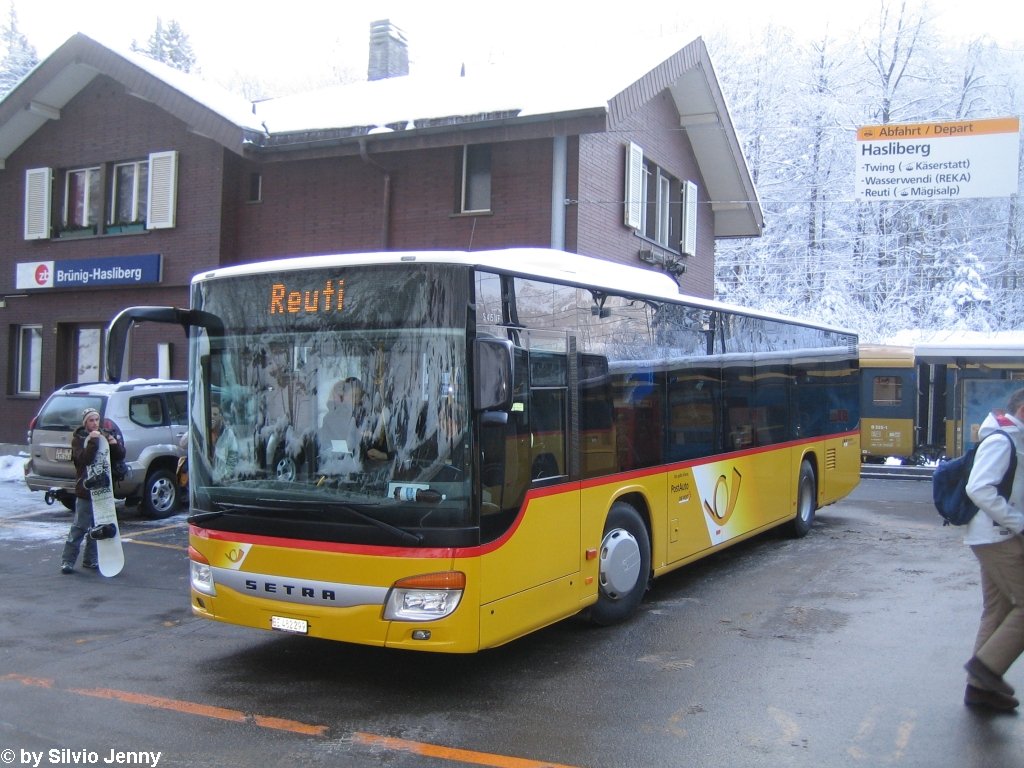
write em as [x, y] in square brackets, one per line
[80, 525]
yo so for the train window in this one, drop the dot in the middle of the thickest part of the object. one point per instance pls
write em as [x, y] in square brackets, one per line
[887, 390]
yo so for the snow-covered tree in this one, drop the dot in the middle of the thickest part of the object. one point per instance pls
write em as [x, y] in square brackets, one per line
[875, 267]
[19, 56]
[169, 45]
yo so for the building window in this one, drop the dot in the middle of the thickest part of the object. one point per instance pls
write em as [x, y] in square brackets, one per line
[662, 211]
[476, 178]
[129, 192]
[30, 358]
[255, 187]
[89, 354]
[659, 207]
[126, 196]
[83, 200]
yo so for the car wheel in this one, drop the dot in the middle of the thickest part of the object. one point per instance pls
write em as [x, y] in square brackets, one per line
[160, 497]
[285, 469]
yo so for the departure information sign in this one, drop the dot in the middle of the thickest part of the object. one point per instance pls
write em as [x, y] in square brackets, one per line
[938, 161]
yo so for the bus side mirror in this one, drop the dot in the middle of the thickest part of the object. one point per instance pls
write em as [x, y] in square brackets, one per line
[117, 331]
[492, 375]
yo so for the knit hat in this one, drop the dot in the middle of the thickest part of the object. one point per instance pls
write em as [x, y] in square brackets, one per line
[87, 413]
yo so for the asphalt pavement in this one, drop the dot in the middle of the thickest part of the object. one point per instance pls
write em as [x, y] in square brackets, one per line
[843, 648]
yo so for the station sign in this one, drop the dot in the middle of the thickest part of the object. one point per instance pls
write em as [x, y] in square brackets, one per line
[103, 272]
[938, 161]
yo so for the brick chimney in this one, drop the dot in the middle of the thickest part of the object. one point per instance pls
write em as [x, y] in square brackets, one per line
[389, 52]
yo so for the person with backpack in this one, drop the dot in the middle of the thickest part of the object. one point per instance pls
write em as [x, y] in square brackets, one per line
[994, 535]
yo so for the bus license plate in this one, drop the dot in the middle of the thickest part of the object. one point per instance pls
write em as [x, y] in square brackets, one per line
[63, 454]
[300, 626]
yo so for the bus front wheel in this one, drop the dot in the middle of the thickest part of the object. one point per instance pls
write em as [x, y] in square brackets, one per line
[806, 501]
[625, 566]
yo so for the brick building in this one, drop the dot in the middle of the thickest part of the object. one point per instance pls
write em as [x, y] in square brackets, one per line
[120, 179]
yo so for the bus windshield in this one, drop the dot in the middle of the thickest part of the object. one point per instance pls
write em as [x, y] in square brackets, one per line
[334, 406]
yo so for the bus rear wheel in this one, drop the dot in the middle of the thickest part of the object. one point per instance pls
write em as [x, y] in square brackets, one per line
[806, 501]
[624, 566]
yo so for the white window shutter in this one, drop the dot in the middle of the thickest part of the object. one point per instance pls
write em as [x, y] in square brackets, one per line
[163, 190]
[38, 195]
[634, 186]
[689, 242]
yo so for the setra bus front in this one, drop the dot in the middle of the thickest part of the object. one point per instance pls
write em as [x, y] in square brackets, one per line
[331, 445]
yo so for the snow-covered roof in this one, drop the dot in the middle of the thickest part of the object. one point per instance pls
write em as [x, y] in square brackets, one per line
[41, 95]
[956, 338]
[948, 345]
[220, 100]
[605, 91]
[405, 100]
[542, 90]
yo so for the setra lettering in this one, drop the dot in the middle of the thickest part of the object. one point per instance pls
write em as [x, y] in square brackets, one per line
[270, 587]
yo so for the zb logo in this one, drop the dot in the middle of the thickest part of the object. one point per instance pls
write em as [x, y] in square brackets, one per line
[723, 500]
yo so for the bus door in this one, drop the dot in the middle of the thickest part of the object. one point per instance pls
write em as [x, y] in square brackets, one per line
[545, 544]
[548, 416]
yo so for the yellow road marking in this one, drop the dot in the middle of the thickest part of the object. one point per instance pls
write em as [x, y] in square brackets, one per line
[161, 529]
[450, 753]
[176, 705]
[292, 726]
[132, 540]
[132, 537]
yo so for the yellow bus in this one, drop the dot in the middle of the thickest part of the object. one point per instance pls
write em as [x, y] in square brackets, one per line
[445, 451]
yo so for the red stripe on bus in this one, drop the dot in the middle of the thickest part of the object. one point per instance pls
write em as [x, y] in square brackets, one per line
[482, 549]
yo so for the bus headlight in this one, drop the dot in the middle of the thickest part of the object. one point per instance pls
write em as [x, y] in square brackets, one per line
[425, 598]
[200, 573]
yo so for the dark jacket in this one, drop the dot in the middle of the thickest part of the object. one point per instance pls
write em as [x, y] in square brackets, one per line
[83, 453]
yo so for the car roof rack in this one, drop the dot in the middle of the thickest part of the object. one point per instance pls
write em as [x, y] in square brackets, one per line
[126, 386]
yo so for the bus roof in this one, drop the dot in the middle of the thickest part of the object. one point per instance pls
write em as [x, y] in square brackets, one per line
[540, 263]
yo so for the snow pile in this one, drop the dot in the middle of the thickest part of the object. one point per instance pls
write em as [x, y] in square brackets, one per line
[12, 468]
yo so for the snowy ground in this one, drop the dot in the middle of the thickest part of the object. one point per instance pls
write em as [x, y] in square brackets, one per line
[25, 518]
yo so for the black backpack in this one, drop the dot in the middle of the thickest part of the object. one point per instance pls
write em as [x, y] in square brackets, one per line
[949, 484]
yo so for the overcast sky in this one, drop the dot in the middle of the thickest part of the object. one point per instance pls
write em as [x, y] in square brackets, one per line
[278, 42]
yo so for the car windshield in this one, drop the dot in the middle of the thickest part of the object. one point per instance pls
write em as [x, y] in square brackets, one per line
[64, 411]
[333, 402]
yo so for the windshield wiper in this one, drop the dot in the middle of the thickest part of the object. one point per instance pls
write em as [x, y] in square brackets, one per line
[309, 506]
[202, 517]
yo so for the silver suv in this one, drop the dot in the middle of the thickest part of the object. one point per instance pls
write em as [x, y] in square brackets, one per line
[149, 416]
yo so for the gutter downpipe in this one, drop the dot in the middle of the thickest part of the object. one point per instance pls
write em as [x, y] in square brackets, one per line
[559, 164]
[386, 224]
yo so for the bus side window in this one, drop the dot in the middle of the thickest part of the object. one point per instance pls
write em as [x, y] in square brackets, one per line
[740, 408]
[548, 415]
[692, 427]
[597, 432]
[640, 419]
[547, 433]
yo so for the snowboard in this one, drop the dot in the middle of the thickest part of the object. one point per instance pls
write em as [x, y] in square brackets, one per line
[105, 529]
